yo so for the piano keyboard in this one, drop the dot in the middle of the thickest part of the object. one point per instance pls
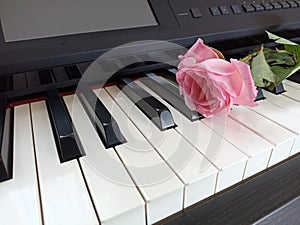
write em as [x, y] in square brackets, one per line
[151, 174]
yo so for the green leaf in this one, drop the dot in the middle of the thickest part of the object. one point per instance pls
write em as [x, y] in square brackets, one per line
[262, 74]
[280, 57]
[279, 40]
[284, 72]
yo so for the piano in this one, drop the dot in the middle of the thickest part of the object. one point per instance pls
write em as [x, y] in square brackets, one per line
[93, 129]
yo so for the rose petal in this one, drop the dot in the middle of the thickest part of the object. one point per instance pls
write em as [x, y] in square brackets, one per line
[225, 75]
[249, 91]
[218, 67]
[187, 62]
[200, 52]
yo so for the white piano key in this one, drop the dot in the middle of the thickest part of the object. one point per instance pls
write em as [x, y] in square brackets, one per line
[161, 188]
[280, 137]
[64, 195]
[228, 159]
[289, 105]
[282, 117]
[19, 197]
[115, 196]
[283, 102]
[256, 148]
[292, 90]
[291, 83]
[197, 173]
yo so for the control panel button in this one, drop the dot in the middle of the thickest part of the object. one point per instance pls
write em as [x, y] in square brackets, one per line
[276, 5]
[297, 2]
[196, 12]
[292, 4]
[284, 4]
[236, 9]
[248, 8]
[224, 10]
[258, 7]
[215, 11]
[267, 6]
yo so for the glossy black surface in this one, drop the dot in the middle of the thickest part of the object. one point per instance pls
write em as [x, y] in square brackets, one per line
[170, 93]
[295, 77]
[175, 23]
[106, 125]
[6, 141]
[64, 134]
[260, 94]
[156, 111]
[278, 89]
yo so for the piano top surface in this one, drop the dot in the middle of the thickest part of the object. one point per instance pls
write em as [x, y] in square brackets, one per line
[175, 23]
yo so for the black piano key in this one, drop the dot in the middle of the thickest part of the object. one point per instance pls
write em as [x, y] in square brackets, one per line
[3, 84]
[295, 78]
[156, 111]
[109, 65]
[106, 126]
[46, 77]
[64, 134]
[73, 72]
[82, 67]
[19, 81]
[33, 79]
[260, 94]
[6, 141]
[60, 74]
[278, 89]
[170, 93]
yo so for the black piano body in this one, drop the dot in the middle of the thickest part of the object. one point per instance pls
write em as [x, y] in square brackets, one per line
[233, 27]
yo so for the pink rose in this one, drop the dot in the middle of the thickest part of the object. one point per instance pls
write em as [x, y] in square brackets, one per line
[211, 85]
[200, 52]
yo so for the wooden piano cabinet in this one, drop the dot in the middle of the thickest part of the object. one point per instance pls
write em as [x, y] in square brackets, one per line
[250, 200]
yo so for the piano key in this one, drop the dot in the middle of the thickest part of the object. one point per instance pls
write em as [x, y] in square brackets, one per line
[292, 90]
[284, 102]
[287, 104]
[281, 138]
[295, 77]
[105, 124]
[65, 199]
[60, 74]
[260, 94]
[282, 117]
[33, 79]
[214, 147]
[6, 136]
[65, 139]
[170, 94]
[19, 197]
[73, 72]
[115, 196]
[19, 81]
[278, 89]
[195, 171]
[256, 148]
[160, 187]
[46, 76]
[291, 84]
[3, 84]
[158, 113]
[229, 129]
[82, 67]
